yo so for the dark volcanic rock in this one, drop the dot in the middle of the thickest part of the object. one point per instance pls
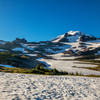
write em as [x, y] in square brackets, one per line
[18, 40]
[85, 38]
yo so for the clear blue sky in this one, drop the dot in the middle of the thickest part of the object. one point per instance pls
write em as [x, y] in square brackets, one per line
[38, 20]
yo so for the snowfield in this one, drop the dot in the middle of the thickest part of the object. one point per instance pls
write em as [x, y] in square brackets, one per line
[20, 49]
[1, 50]
[68, 64]
[39, 87]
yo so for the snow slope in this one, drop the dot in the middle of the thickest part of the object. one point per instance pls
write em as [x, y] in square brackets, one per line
[67, 64]
[75, 32]
[2, 42]
[1, 50]
[20, 49]
[58, 38]
[38, 87]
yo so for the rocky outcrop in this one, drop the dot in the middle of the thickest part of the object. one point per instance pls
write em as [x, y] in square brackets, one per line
[85, 38]
[18, 40]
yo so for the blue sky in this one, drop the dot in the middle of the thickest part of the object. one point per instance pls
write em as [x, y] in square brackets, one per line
[38, 20]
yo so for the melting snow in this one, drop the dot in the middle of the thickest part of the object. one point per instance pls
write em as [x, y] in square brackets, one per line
[9, 66]
[2, 42]
[20, 49]
[31, 54]
[28, 46]
[2, 50]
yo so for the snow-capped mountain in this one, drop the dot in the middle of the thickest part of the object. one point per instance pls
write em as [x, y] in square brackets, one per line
[55, 53]
[73, 36]
[71, 40]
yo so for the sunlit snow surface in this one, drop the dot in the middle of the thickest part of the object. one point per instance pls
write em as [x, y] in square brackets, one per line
[42, 87]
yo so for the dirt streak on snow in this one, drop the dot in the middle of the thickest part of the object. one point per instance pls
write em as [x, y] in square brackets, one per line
[39, 87]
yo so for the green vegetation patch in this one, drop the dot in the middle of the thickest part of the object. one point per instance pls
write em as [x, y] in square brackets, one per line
[8, 58]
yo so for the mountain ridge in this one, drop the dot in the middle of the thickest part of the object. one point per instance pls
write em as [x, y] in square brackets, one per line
[73, 36]
[71, 44]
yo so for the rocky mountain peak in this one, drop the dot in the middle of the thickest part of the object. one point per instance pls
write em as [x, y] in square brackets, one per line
[18, 40]
[73, 36]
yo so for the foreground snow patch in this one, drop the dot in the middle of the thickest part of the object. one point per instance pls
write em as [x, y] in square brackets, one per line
[39, 87]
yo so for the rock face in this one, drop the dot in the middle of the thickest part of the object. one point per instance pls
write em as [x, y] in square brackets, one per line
[58, 45]
[84, 38]
[73, 36]
[18, 40]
